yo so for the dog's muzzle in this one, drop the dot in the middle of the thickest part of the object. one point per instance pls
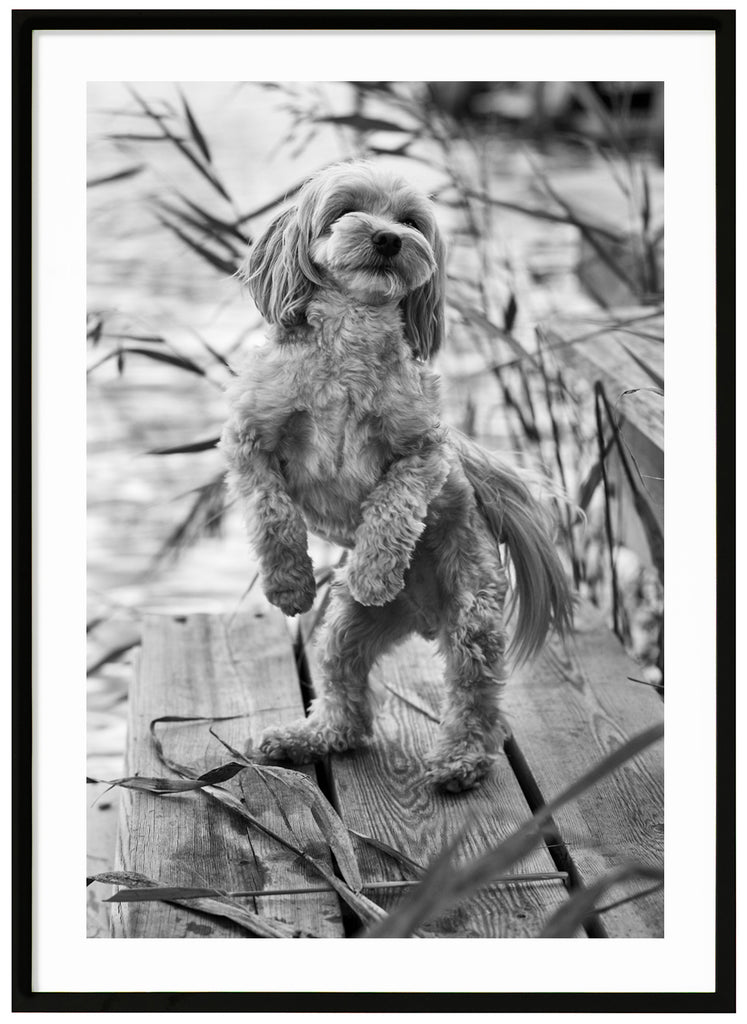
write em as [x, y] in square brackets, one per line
[386, 243]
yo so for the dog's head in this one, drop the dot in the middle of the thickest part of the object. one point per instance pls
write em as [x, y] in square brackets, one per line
[366, 234]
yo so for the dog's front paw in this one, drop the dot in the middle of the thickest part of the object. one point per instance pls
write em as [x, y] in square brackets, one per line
[296, 743]
[292, 594]
[309, 740]
[458, 772]
[371, 587]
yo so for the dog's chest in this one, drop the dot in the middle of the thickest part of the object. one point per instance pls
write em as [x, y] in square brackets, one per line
[335, 434]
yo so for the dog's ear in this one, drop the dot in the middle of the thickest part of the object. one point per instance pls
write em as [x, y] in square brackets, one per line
[274, 271]
[424, 308]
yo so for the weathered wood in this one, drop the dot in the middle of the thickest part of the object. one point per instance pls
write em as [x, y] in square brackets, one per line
[605, 355]
[381, 792]
[569, 709]
[213, 666]
[618, 358]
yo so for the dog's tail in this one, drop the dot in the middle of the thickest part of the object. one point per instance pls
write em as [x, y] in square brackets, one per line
[517, 519]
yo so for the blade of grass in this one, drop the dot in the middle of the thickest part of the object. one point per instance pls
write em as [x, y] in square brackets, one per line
[363, 124]
[182, 362]
[649, 371]
[649, 522]
[181, 769]
[149, 784]
[166, 893]
[204, 518]
[629, 899]
[200, 225]
[113, 655]
[542, 214]
[216, 261]
[215, 906]
[324, 814]
[128, 172]
[217, 356]
[194, 446]
[135, 137]
[153, 339]
[592, 235]
[210, 218]
[180, 145]
[615, 593]
[592, 479]
[277, 201]
[194, 129]
[401, 858]
[149, 895]
[581, 905]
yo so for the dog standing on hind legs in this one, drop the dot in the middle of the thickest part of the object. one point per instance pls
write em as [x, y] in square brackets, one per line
[335, 428]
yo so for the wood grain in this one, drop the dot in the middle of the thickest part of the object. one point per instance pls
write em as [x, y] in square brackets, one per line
[617, 358]
[607, 357]
[570, 709]
[202, 665]
[381, 792]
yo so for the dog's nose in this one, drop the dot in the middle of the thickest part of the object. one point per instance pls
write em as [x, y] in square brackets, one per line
[387, 243]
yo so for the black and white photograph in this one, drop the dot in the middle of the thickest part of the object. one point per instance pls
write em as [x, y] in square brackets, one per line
[375, 470]
[340, 537]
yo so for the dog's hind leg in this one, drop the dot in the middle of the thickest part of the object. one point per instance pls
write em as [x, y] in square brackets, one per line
[472, 588]
[471, 728]
[340, 717]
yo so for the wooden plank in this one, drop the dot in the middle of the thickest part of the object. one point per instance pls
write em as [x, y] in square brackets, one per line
[381, 792]
[616, 358]
[606, 356]
[650, 463]
[202, 665]
[570, 709]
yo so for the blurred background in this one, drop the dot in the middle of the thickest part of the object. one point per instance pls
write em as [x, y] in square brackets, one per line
[550, 195]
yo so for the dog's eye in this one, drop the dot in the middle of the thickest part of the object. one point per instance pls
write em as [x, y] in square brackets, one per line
[411, 224]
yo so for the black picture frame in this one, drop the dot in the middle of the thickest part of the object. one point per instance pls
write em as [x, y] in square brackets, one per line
[723, 24]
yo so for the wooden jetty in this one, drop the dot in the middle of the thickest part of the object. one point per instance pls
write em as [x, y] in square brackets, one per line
[257, 851]
[569, 709]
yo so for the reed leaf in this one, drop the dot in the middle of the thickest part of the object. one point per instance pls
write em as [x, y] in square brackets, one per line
[111, 655]
[193, 446]
[216, 261]
[272, 203]
[217, 905]
[150, 784]
[217, 222]
[657, 379]
[324, 814]
[401, 858]
[204, 518]
[194, 129]
[127, 172]
[582, 904]
[182, 362]
[362, 123]
[135, 137]
[180, 144]
[198, 224]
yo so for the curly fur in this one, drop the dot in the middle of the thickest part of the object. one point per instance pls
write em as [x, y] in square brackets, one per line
[335, 427]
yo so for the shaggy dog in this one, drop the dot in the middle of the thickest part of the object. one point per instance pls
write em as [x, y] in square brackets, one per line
[335, 428]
